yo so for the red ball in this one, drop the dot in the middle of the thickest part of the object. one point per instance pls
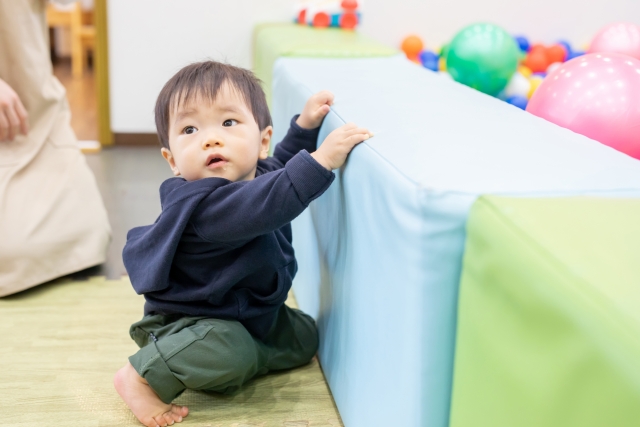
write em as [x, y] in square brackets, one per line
[350, 5]
[321, 20]
[302, 16]
[556, 53]
[348, 20]
[537, 47]
[536, 61]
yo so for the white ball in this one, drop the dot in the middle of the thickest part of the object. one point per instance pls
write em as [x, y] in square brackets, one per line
[519, 85]
[554, 66]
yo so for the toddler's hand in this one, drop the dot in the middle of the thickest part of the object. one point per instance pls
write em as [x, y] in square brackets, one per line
[334, 150]
[315, 109]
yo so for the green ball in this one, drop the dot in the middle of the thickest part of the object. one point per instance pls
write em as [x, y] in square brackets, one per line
[484, 57]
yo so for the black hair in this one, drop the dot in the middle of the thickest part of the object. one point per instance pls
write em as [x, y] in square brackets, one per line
[205, 79]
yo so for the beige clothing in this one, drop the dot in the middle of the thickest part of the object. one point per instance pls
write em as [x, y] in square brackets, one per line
[52, 219]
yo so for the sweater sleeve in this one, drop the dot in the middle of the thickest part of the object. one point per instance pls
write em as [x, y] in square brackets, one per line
[296, 139]
[241, 211]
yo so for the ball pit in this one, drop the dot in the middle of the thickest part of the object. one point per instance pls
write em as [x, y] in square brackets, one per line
[535, 77]
[534, 60]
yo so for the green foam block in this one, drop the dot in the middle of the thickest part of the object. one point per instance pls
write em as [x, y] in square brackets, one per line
[549, 314]
[272, 41]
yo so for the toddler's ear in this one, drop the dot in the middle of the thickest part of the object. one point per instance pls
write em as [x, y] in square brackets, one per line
[169, 158]
[265, 142]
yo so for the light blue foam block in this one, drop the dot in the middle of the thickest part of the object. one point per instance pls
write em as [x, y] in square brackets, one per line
[380, 252]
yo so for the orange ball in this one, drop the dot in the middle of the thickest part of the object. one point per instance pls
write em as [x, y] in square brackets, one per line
[536, 61]
[556, 53]
[412, 46]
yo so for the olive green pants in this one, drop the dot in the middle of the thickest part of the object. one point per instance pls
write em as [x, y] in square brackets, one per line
[201, 353]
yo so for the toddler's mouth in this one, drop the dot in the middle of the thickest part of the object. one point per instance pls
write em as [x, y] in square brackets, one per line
[215, 161]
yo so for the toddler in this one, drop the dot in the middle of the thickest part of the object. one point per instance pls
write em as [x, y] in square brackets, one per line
[216, 266]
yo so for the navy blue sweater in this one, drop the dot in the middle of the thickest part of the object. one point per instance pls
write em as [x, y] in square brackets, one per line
[223, 249]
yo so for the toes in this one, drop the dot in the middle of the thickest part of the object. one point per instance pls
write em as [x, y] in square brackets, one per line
[168, 418]
[182, 411]
[160, 421]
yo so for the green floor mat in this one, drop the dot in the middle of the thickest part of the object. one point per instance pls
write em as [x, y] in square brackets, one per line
[62, 343]
[272, 41]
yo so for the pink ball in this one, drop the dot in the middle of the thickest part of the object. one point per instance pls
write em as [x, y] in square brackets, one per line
[596, 95]
[620, 37]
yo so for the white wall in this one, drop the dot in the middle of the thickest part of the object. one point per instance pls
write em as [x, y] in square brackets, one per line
[149, 40]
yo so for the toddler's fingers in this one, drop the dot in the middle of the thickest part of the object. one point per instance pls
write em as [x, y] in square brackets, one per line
[347, 127]
[358, 130]
[357, 138]
[325, 97]
[323, 110]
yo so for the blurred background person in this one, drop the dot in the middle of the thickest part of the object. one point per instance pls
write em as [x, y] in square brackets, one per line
[52, 219]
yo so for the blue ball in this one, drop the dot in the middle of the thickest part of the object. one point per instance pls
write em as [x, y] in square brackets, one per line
[523, 43]
[567, 46]
[575, 55]
[429, 60]
[518, 101]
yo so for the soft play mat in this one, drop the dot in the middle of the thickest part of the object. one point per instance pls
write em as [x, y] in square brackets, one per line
[549, 315]
[62, 343]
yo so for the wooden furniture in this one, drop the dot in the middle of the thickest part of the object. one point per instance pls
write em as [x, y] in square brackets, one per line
[83, 32]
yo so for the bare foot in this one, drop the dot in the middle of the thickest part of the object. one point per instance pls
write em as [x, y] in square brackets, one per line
[144, 402]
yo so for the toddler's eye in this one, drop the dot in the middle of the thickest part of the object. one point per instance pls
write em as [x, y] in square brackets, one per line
[189, 130]
[230, 122]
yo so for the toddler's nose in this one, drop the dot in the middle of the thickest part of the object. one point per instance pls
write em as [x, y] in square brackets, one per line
[212, 142]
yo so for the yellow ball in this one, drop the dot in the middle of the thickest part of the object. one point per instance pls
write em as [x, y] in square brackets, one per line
[442, 64]
[535, 83]
[525, 71]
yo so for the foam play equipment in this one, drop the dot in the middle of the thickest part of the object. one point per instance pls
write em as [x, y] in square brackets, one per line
[548, 324]
[380, 252]
[272, 41]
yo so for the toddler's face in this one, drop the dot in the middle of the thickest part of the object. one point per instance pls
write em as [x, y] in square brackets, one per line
[216, 139]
